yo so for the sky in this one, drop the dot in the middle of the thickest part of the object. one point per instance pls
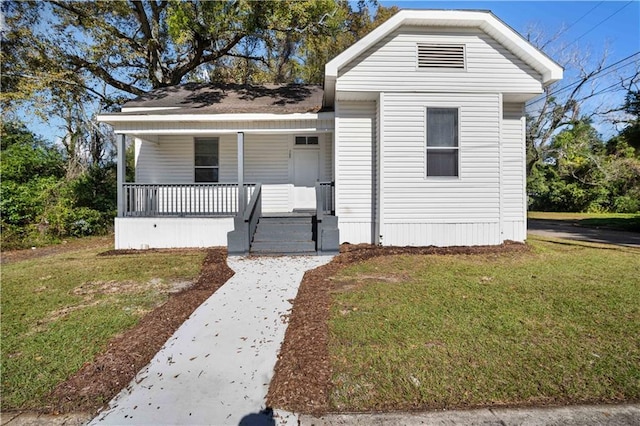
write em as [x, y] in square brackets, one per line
[589, 27]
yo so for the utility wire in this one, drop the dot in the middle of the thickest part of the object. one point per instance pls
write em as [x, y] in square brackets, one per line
[579, 19]
[596, 75]
[600, 23]
[599, 92]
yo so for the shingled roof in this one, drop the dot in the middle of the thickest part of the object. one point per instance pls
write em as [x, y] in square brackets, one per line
[194, 98]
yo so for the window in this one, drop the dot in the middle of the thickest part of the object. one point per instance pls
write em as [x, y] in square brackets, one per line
[441, 56]
[306, 140]
[442, 142]
[206, 159]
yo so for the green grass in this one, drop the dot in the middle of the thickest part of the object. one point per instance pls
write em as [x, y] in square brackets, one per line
[556, 325]
[620, 221]
[59, 311]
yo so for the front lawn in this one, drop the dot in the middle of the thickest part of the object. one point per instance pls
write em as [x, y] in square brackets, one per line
[558, 324]
[59, 311]
[620, 221]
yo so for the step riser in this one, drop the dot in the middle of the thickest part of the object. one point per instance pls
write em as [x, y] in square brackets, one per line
[286, 221]
[289, 236]
[282, 235]
[283, 228]
[283, 247]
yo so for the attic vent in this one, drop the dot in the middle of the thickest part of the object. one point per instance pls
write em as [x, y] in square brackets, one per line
[441, 56]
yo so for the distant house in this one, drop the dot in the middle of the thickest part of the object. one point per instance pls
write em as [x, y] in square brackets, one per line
[417, 138]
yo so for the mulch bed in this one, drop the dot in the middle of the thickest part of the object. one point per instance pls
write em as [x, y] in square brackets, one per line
[302, 380]
[96, 383]
[303, 373]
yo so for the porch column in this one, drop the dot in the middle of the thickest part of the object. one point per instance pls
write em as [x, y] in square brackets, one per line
[121, 172]
[241, 193]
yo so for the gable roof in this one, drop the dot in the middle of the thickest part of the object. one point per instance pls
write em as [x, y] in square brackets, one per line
[484, 20]
[192, 98]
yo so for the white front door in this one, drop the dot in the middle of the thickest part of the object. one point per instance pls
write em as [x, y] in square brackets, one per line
[306, 164]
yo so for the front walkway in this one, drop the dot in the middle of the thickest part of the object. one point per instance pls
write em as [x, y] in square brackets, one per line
[217, 366]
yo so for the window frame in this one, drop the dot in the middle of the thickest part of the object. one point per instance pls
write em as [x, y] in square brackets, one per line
[306, 144]
[458, 148]
[216, 167]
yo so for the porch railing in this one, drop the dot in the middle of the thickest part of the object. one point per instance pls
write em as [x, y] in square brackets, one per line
[183, 200]
[245, 224]
[325, 199]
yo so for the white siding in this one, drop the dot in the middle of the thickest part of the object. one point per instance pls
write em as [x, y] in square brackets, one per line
[140, 233]
[513, 173]
[440, 211]
[355, 132]
[266, 160]
[442, 234]
[391, 65]
[170, 159]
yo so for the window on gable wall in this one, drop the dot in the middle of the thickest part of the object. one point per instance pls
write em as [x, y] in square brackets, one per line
[206, 160]
[442, 142]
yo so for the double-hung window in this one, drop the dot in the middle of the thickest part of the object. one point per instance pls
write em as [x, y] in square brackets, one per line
[206, 160]
[442, 142]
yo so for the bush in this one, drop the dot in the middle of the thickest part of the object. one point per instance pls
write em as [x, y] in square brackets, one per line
[626, 204]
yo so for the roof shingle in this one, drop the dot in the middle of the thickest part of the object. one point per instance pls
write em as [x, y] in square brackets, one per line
[195, 98]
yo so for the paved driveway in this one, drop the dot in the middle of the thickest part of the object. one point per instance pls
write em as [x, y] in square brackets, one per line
[566, 229]
[217, 366]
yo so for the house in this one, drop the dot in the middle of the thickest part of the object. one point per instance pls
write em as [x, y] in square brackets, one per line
[417, 138]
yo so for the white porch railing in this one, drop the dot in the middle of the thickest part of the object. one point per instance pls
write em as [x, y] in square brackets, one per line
[182, 200]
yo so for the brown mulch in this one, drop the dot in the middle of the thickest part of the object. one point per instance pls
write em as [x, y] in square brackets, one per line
[302, 380]
[96, 383]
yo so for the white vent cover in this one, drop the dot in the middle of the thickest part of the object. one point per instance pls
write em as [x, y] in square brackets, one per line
[441, 56]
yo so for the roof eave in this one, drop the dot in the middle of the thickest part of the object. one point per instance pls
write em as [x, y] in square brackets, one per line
[487, 21]
[124, 118]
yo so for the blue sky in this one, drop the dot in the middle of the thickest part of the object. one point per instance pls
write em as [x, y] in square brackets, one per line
[589, 27]
[621, 31]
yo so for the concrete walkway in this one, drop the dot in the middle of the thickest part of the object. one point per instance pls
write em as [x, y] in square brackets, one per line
[216, 368]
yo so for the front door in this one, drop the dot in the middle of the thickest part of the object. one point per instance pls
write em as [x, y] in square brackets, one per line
[306, 163]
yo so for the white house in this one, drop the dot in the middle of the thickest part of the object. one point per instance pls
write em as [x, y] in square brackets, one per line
[417, 138]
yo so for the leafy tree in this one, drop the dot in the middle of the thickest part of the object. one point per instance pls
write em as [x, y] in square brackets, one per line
[39, 202]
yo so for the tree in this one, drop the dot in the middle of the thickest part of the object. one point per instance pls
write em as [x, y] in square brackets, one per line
[39, 202]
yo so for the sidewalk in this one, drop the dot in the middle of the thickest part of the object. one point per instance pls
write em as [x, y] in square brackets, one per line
[584, 415]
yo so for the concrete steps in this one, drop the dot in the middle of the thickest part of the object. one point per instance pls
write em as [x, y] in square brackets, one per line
[287, 233]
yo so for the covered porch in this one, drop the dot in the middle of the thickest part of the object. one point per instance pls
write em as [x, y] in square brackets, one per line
[211, 160]
[187, 196]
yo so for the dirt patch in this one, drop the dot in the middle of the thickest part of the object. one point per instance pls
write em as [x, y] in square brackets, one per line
[302, 380]
[64, 247]
[96, 383]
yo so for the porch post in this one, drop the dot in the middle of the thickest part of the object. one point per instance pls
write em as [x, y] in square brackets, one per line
[121, 172]
[241, 193]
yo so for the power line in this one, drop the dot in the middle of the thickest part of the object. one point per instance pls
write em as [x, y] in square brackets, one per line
[595, 75]
[579, 19]
[600, 23]
[599, 92]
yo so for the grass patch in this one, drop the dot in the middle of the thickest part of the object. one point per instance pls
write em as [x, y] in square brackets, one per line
[59, 311]
[558, 324]
[620, 221]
